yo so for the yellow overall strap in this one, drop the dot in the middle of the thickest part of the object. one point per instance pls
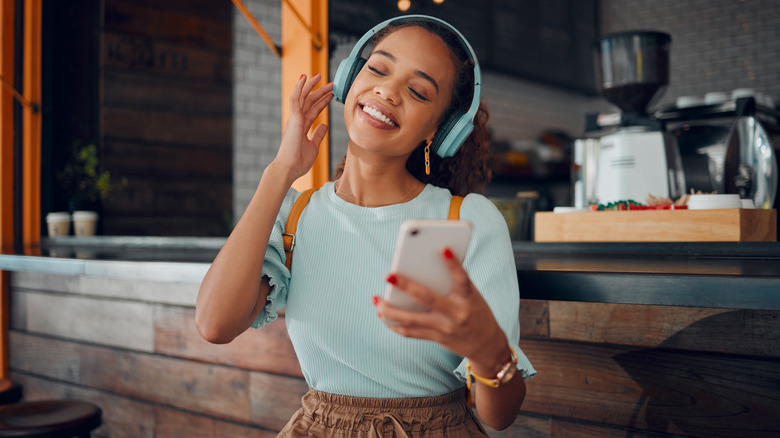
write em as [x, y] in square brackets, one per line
[295, 213]
[455, 208]
[288, 237]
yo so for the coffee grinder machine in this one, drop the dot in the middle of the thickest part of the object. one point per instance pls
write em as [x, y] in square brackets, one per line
[628, 156]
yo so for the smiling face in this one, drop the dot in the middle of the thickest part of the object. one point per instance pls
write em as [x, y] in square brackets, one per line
[398, 98]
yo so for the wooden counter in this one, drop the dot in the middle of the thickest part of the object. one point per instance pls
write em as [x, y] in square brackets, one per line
[612, 361]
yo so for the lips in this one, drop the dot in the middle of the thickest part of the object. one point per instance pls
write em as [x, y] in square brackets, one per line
[378, 113]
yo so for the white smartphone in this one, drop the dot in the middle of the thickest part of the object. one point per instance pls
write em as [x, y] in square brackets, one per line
[418, 256]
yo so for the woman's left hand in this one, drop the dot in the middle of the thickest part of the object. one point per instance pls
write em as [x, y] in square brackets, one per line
[462, 321]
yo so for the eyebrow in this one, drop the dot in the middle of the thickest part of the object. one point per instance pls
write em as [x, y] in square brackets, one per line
[418, 73]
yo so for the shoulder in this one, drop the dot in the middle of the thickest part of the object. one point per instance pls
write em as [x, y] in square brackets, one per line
[478, 208]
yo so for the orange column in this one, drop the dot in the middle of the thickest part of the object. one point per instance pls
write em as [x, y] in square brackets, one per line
[305, 51]
[31, 124]
[6, 167]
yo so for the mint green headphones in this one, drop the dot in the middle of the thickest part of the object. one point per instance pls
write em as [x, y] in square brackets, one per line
[453, 132]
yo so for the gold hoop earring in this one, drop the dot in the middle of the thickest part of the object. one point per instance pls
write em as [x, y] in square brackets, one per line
[428, 158]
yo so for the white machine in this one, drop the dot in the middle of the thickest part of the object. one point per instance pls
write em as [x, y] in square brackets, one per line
[635, 162]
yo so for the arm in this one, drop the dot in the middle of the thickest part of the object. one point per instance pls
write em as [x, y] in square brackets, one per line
[463, 323]
[233, 291]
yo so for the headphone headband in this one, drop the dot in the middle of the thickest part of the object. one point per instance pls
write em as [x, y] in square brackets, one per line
[453, 132]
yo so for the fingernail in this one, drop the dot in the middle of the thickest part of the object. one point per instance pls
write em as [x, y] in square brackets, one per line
[301, 77]
[375, 300]
[378, 315]
[392, 279]
[448, 253]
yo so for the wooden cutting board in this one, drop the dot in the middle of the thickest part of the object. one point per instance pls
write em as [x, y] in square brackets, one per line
[727, 225]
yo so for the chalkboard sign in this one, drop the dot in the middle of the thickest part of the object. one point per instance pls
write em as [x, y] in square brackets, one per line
[547, 41]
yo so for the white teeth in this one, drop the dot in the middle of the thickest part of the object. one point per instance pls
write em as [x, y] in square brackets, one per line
[377, 115]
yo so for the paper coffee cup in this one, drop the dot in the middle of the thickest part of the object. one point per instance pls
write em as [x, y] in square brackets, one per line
[58, 223]
[85, 223]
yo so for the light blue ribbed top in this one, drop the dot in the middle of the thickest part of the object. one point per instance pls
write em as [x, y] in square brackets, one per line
[342, 255]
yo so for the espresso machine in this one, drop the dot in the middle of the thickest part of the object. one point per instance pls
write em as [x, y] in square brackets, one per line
[628, 155]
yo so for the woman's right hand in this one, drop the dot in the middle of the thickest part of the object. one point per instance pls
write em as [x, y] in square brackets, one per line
[298, 151]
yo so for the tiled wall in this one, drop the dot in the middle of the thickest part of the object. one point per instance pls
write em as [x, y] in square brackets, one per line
[718, 45]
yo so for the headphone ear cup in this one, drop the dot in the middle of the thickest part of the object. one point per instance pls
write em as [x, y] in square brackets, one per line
[345, 75]
[451, 134]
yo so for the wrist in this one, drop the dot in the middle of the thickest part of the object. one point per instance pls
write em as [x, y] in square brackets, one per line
[498, 375]
[279, 172]
[489, 365]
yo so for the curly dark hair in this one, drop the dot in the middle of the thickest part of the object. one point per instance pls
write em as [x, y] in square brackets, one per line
[469, 170]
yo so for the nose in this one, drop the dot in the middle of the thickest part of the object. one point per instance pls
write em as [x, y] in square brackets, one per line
[388, 91]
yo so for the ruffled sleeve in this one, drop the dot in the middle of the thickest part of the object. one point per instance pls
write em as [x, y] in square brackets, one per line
[490, 263]
[274, 267]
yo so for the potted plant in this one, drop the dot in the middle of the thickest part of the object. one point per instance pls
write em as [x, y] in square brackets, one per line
[84, 183]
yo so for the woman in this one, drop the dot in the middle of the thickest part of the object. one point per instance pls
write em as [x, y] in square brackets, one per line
[367, 376]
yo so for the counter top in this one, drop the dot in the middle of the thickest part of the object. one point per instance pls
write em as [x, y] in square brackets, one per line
[700, 274]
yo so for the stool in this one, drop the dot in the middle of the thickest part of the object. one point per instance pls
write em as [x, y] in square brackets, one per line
[49, 419]
[10, 392]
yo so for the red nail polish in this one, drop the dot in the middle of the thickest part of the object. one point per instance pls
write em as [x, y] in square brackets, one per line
[392, 279]
[375, 300]
[301, 77]
[448, 253]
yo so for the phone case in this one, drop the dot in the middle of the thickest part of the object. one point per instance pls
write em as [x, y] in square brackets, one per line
[418, 256]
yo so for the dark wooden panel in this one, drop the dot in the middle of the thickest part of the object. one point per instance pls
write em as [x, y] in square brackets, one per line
[214, 390]
[208, 9]
[128, 88]
[141, 54]
[268, 349]
[275, 399]
[698, 394]
[534, 318]
[44, 356]
[173, 197]
[165, 160]
[564, 429]
[524, 426]
[164, 127]
[178, 424]
[685, 328]
[170, 26]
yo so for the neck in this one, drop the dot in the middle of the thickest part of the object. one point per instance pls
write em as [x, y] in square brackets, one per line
[378, 185]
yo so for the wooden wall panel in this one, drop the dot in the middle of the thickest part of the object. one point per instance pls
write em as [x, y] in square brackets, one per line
[685, 328]
[176, 424]
[169, 24]
[603, 370]
[163, 161]
[53, 358]
[166, 116]
[199, 387]
[534, 318]
[275, 399]
[147, 125]
[108, 322]
[123, 53]
[696, 394]
[130, 289]
[268, 349]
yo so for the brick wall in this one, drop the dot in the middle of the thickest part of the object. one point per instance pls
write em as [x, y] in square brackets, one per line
[717, 45]
[257, 119]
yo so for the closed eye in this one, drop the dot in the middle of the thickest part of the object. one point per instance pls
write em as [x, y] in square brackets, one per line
[417, 95]
[376, 71]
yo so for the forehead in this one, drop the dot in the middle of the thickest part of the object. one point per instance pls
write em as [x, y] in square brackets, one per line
[415, 44]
